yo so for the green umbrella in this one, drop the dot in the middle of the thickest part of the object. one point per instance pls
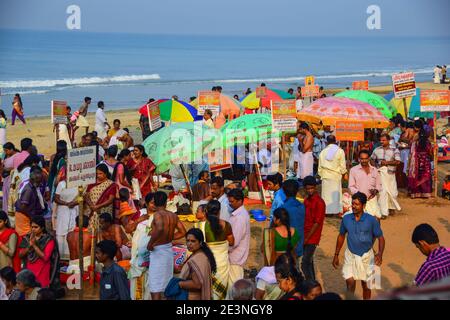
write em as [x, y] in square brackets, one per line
[250, 128]
[179, 143]
[384, 106]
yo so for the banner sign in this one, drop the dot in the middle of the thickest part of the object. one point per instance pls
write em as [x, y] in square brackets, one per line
[59, 112]
[310, 91]
[209, 100]
[284, 115]
[81, 164]
[154, 118]
[434, 100]
[360, 85]
[261, 92]
[404, 85]
[349, 131]
[309, 81]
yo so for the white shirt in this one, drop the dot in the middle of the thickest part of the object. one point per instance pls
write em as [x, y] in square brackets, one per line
[224, 213]
[100, 118]
[240, 224]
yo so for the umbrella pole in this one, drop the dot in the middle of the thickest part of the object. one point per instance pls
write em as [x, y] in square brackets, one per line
[260, 182]
[187, 183]
[435, 156]
[405, 108]
[284, 156]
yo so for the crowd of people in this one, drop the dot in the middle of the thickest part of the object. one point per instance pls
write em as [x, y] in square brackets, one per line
[132, 230]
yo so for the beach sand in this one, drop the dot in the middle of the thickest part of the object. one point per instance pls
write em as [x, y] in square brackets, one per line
[401, 260]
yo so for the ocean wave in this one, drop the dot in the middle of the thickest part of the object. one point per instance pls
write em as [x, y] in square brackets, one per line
[77, 81]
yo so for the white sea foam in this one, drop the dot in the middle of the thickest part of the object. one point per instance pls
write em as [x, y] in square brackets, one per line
[76, 81]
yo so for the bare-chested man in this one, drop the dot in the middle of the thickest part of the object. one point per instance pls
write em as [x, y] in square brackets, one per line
[110, 231]
[81, 120]
[72, 241]
[305, 160]
[166, 227]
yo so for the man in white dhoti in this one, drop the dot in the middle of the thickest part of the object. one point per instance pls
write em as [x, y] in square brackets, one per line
[331, 169]
[359, 263]
[165, 227]
[305, 161]
[101, 123]
[366, 179]
[386, 159]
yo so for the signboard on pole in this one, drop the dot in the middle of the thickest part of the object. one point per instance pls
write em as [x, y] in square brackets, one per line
[219, 160]
[284, 115]
[404, 85]
[59, 112]
[154, 117]
[261, 92]
[309, 81]
[434, 100]
[81, 164]
[349, 131]
[360, 85]
[209, 100]
[310, 91]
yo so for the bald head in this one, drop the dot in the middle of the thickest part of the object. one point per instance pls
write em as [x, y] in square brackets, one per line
[243, 289]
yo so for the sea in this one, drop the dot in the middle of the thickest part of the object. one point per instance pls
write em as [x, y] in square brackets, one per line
[125, 70]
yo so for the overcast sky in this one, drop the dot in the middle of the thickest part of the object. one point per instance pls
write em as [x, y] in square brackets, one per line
[233, 17]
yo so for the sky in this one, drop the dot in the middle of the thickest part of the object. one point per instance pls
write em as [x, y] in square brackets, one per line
[233, 17]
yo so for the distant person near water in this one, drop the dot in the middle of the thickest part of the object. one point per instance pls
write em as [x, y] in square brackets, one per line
[17, 109]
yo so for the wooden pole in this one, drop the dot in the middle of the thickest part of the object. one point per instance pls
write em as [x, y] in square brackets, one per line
[258, 174]
[80, 239]
[284, 157]
[57, 132]
[435, 155]
[92, 266]
[187, 183]
[405, 108]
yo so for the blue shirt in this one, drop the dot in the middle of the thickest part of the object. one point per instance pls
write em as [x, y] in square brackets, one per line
[278, 200]
[114, 284]
[296, 211]
[361, 234]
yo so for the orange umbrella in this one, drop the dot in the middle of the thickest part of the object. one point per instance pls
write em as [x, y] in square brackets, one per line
[228, 106]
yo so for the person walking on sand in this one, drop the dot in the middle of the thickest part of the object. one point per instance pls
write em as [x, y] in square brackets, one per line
[359, 262]
[165, 227]
[82, 113]
[17, 109]
[305, 160]
[101, 123]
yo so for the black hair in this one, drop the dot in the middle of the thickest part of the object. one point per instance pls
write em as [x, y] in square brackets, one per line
[124, 194]
[290, 188]
[85, 221]
[331, 139]
[61, 152]
[328, 296]
[217, 180]
[127, 173]
[123, 154]
[364, 151]
[10, 146]
[283, 216]
[116, 120]
[276, 179]
[285, 267]
[19, 98]
[149, 197]
[112, 151]
[100, 104]
[200, 175]
[263, 84]
[308, 285]
[208, 111]
[237, 194]
[309, 181]
[4, 217]
[361, 197]
[410, 125]
[104, 168]
[141, 149]
[304, 125]
[8, 274]
[213, 214]
[26, 143]
[423, 139]
[2, 114]
[126, 130]
[418, 124]
[40, 221]
[106, 217]
[86, 99]
[198, 234]
[425, 232]
[108, 247]
[160, 199]
[46, 294]
[150, 100]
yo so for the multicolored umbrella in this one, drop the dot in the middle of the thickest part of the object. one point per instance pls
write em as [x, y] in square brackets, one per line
[329, 110]
[251, 102]
[174, 110]
[179, 143]
[412, 105]
[385, 107]
[229, 106]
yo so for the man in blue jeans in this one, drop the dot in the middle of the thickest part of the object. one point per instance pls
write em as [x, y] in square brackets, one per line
[296, 211]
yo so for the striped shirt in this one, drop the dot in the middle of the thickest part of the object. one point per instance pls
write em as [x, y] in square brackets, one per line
[436, 267]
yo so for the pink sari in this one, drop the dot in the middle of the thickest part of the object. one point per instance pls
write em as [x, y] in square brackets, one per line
[419, 174]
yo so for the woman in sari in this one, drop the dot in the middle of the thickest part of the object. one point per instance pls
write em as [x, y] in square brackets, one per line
[143, 169]
[122, 176]
[198, 270]
[8, 165]
[100, 196]
[9, 255]
[17, 109]
[39, 251]
[419, 173]
[219, 236]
